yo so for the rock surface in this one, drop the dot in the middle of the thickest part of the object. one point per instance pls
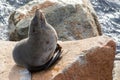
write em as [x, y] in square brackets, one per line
[116, 71]
[72, 19]
[87, 59]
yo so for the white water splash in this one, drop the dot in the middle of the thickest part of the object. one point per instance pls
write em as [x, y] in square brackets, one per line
[6, 7]
[108, 12]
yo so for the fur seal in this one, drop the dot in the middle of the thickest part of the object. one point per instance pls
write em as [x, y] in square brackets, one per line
[40, 50]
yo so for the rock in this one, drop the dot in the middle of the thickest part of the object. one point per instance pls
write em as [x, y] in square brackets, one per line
[116, 71]
[6, 62]
[73, 20]
[87, 59]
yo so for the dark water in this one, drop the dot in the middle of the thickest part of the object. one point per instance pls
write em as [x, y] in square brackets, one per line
[108, 12]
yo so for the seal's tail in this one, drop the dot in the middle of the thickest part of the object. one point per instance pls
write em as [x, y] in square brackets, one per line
[55, 57]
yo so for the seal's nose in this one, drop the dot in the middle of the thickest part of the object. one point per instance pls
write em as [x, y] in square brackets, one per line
[38, 19]
[39, 14]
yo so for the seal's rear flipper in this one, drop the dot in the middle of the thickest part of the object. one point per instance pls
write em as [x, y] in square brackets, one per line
[55, 57]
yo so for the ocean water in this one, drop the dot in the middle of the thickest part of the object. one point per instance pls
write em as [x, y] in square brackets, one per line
[6, 7]
[108, 12]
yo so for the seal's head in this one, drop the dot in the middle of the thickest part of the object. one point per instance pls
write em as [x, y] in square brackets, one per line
[38, 22]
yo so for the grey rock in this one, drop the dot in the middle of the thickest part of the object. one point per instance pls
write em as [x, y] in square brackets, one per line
[72, 19]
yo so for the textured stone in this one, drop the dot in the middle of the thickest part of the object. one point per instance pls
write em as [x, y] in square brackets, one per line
[87, 59]
[6, 62]
[116, 71]
[72, 19]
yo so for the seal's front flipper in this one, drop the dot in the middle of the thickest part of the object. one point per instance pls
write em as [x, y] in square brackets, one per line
[56, 56]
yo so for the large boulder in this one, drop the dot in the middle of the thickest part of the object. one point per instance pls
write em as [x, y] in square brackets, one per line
[72, 19]
[87, 59]
[116, 71]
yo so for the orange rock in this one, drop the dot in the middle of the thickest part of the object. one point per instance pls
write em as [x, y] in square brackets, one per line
[87, 59]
